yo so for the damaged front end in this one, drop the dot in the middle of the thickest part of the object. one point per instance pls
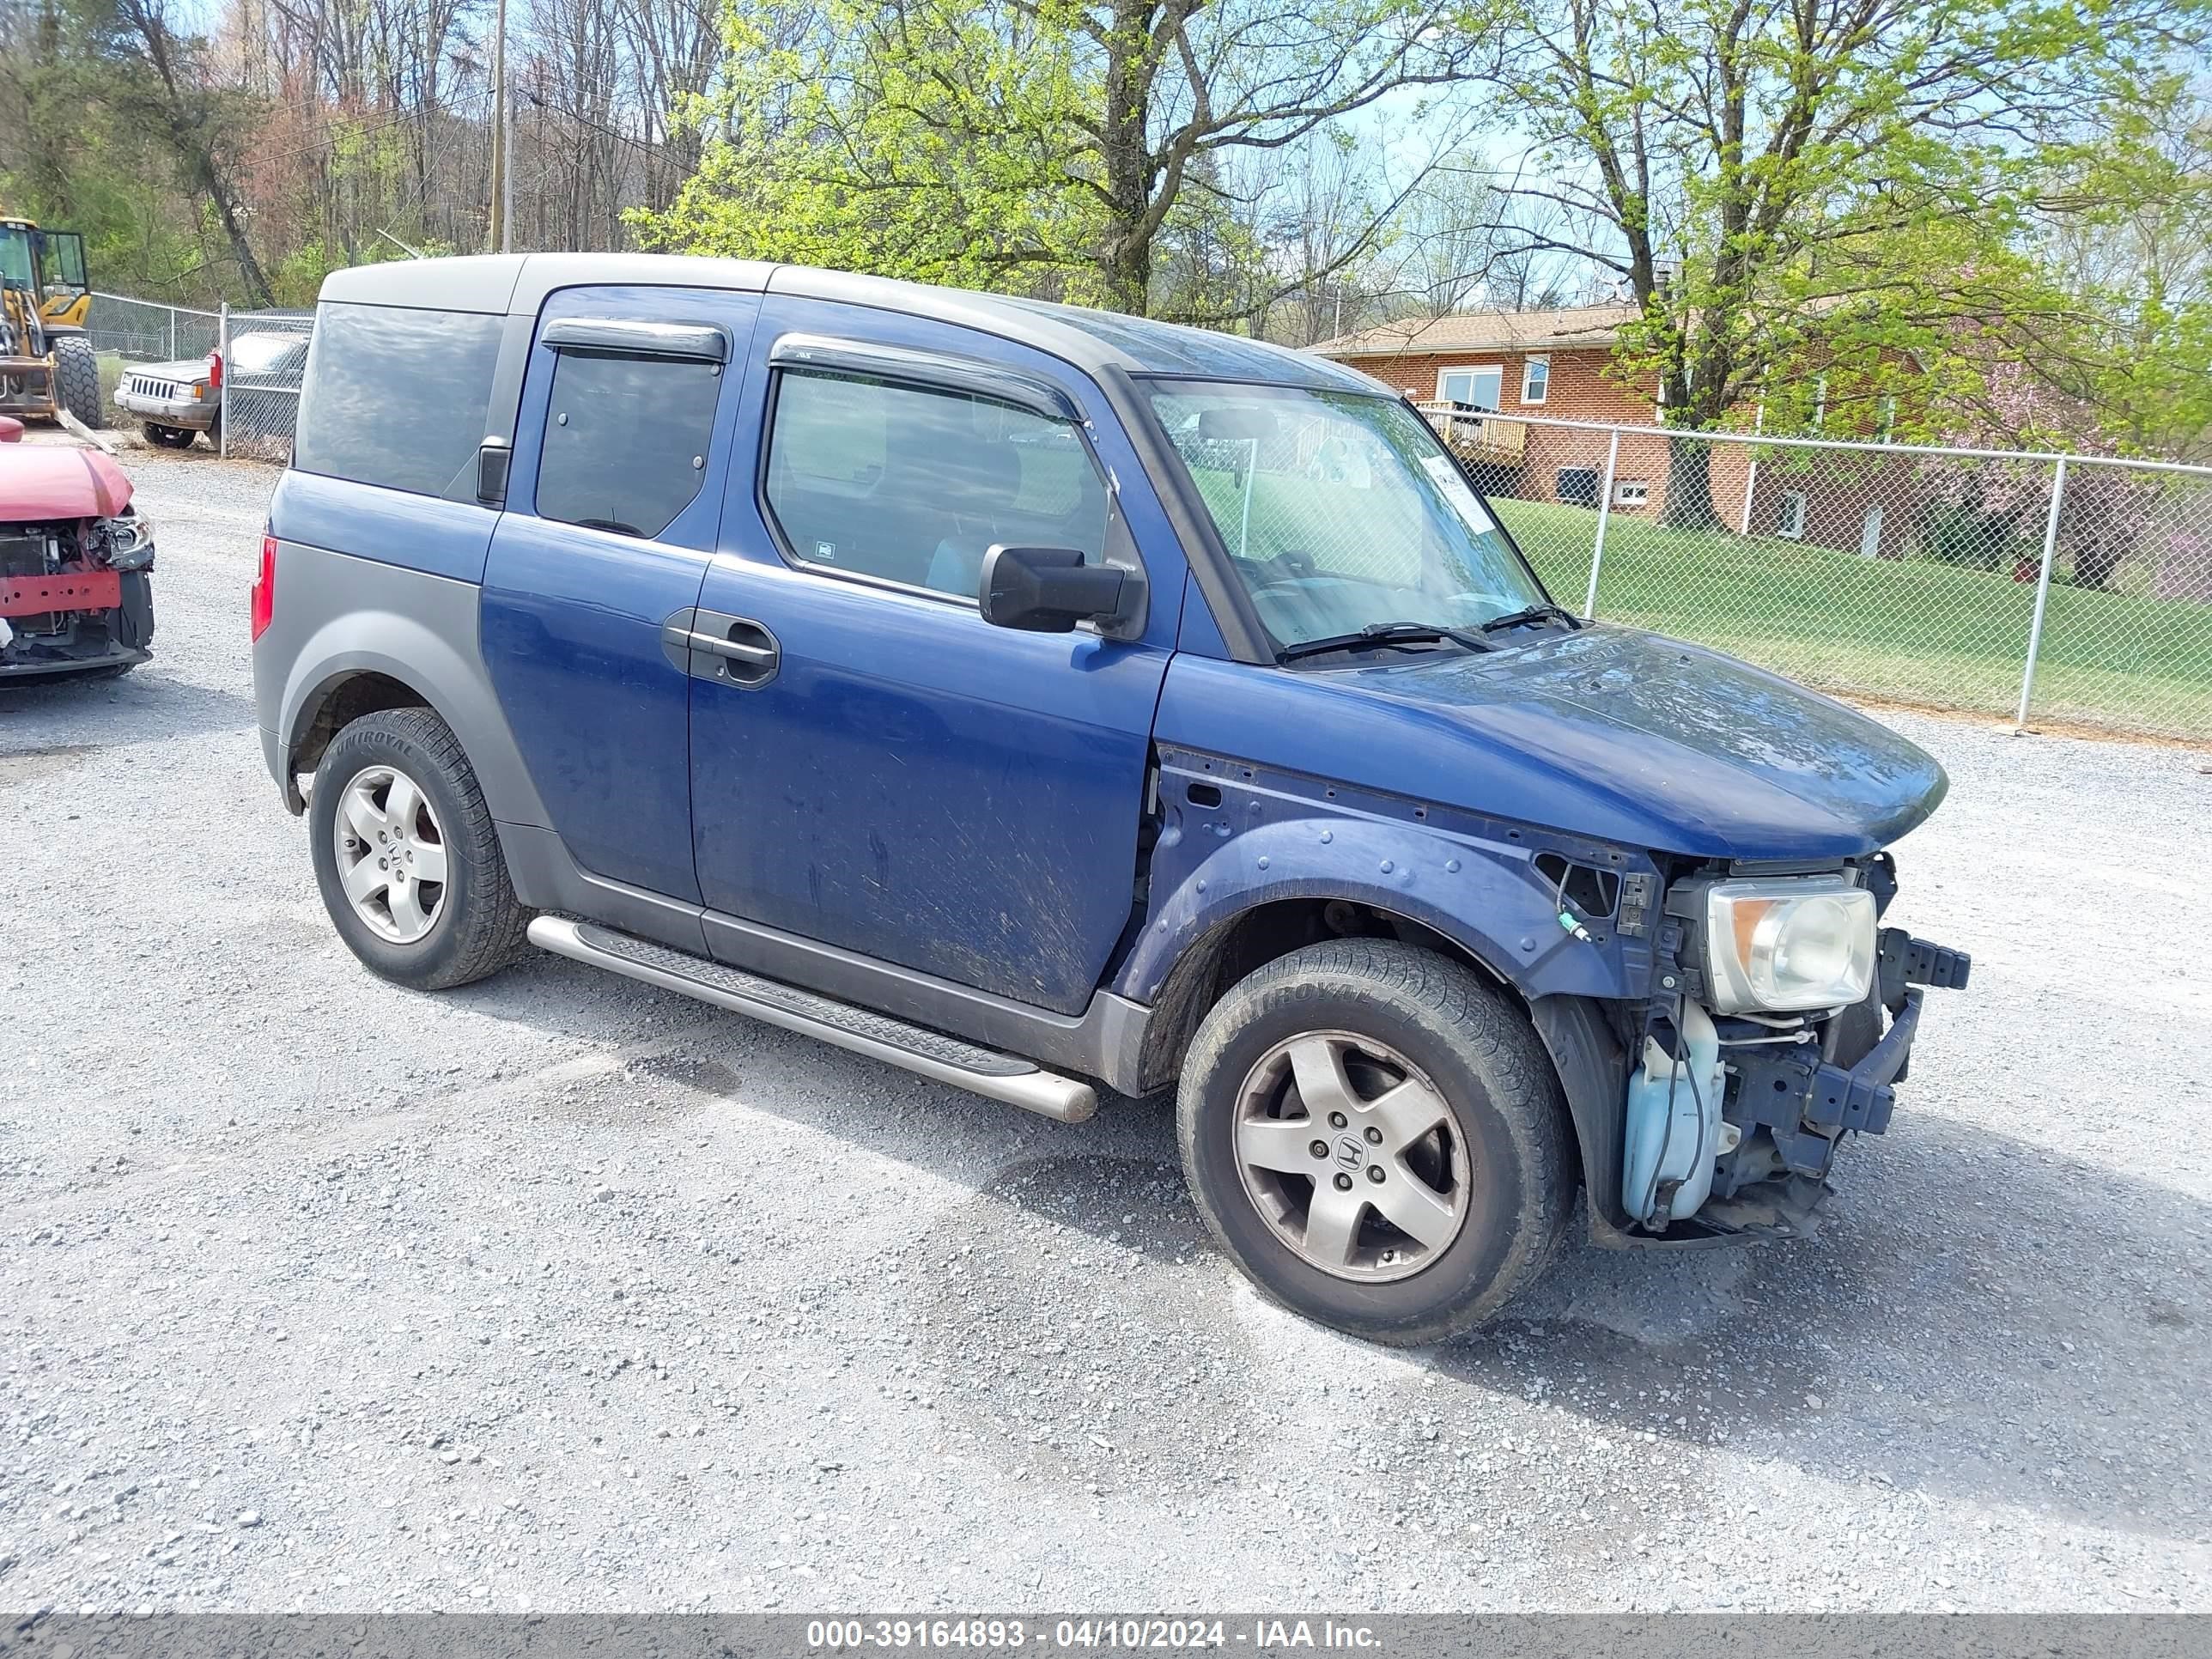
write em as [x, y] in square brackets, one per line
[1782, 1017]
[75, 594]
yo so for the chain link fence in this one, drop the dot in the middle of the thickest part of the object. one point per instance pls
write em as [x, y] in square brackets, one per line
[264, 361]
[146, 331]
[2067, 589]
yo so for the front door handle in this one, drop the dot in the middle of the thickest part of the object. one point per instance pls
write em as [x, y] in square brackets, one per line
[716, 645]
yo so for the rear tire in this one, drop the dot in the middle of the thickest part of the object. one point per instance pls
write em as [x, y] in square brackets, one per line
[475, 924]
[77, 379]
[1386, 1039]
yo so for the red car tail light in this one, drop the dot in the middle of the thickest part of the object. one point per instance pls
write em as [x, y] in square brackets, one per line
[264, 587]
[215, 370]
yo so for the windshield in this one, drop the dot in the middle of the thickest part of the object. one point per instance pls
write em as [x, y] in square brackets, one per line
[257, 354]
[1341, 511]
[15, 257]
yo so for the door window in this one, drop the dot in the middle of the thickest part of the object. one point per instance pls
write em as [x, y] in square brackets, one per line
[65, 259]
[915, 485]
[626, 441]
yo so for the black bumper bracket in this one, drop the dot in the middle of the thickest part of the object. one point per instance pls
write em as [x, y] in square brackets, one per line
[1902, 960]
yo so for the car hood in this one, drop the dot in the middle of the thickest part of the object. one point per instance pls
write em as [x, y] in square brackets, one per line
[50, 481]
[1605, 732]
[187, 369]
[1736, 758]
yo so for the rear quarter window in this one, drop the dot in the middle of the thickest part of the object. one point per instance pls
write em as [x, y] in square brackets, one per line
[396, 397]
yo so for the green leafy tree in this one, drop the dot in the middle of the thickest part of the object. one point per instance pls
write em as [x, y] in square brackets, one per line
[1781, 184]
[2135, 264]
[121, 127]
[1051, 146]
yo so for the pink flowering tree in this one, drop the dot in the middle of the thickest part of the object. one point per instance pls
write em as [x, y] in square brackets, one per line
[1981, 510]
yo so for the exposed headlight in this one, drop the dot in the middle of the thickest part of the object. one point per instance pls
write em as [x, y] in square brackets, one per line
[130, 542]
[1789, 942]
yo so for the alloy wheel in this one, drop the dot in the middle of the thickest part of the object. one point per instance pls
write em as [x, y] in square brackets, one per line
[1350, 1156]
[390, 854]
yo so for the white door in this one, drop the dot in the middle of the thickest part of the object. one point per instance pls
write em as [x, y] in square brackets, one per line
[1870, 534]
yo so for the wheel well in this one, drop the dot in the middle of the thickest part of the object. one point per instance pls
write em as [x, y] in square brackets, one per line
[1253, 937]
[343, 702]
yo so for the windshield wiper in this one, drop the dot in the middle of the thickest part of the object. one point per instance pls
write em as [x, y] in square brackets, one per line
[1532, 613]
[1387, 633]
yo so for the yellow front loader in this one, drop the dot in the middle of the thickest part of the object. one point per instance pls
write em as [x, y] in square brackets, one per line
[47, 364]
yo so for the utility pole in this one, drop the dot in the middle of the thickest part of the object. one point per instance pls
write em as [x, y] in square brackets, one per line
[506, 145]
[502, 192]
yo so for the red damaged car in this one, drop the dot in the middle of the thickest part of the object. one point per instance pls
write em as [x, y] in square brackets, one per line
[76, 564]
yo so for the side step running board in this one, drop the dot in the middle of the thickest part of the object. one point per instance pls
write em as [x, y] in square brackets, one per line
[930, 1054]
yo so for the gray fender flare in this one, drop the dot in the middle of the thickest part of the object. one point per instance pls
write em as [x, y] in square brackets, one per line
[452, 682]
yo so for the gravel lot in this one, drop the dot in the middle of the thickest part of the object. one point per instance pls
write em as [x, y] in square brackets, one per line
[560, 1293]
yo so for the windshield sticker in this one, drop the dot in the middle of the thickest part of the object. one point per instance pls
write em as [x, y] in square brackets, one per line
[1336, 460]
[1447, 478]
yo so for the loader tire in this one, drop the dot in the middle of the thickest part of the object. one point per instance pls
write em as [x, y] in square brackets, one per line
[77, 379]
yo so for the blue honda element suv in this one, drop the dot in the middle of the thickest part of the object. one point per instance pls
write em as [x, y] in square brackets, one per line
[1035, 698]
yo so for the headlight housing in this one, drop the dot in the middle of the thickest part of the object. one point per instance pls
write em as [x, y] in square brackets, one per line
[129, 541]
[1788, 943]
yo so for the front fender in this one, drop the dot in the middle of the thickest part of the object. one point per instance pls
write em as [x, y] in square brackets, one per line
[1484, 895]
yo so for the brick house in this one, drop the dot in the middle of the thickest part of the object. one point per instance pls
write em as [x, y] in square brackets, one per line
[1558, 365]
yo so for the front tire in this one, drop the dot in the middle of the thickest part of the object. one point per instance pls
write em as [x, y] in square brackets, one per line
[407, 856]
[1377, 1138]
[169, 437]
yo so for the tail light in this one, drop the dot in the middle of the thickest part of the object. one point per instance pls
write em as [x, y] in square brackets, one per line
[264, 587]
[215, 370]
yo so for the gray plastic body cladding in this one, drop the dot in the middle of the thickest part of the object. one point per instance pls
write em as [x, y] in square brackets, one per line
[1105, 1041]
[546, 877]
[337, 616]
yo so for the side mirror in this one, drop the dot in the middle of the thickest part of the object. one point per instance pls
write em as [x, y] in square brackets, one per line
[1048, 590]
[492, 456]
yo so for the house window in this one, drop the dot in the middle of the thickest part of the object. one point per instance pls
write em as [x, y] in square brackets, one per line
[1659, 404]
[1631, 492]
[1792, 515]
[1477, 387]
[1535, 379]
[1819, 402]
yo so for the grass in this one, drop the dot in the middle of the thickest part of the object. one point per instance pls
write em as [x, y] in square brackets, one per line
[1910, 630]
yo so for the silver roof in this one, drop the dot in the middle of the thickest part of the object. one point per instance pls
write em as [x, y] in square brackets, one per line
[1090, 340]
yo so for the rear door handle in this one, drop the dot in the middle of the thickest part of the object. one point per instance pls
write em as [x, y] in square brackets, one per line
[713, 644]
